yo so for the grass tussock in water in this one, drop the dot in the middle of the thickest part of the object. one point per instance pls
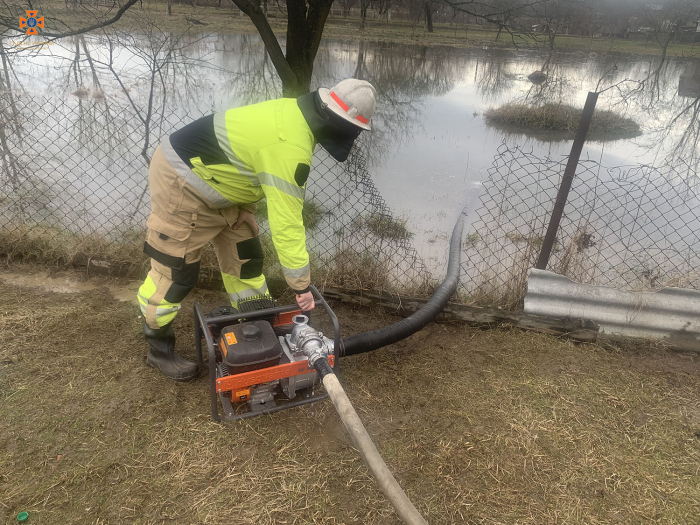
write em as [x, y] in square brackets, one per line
[558, 118]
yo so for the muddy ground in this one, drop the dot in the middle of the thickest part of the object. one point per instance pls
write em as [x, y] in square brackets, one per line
[479, 426]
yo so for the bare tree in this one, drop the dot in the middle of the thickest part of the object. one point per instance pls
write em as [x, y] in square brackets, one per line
[428, 6]
[666, 20]
[555, 16]
[364, 6]
[384, 9]
[346, 6]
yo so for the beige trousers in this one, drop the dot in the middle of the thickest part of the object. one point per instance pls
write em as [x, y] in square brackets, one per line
[181, 223]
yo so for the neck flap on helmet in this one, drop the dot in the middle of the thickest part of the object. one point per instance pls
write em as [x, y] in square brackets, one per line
[334, 133]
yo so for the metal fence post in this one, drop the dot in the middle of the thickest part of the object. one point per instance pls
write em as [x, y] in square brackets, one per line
[566, 180]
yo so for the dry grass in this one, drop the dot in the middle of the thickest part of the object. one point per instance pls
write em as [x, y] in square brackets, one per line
[493, 426]
[502, 277]
[60, 249]
[54, 246]
[557, 118]
[354, 270]
[499, 276]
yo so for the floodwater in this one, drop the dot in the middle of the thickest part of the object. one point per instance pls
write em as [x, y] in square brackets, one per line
[431, 148]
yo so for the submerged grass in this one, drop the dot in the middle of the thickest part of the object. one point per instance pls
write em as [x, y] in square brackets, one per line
[478, 426]
[557, 118]
[385, 226]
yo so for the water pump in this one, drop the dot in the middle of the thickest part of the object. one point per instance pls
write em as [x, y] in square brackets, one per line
[261, 358]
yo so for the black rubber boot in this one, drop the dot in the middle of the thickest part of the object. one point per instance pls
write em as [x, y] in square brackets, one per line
[161, 354]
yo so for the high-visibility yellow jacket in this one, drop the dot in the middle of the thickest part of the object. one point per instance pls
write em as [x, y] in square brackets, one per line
[239, 156]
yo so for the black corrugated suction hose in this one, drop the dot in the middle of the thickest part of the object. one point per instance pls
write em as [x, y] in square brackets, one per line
[368, 341]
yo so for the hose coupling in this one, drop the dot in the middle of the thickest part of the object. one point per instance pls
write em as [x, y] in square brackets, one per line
[310, 344]
[307, 340]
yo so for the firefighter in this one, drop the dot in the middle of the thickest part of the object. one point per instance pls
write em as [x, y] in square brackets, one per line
[205, 180]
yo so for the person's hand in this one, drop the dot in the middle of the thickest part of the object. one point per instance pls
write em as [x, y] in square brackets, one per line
[245, 217]
[306, 301]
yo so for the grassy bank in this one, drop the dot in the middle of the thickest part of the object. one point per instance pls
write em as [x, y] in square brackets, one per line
[211, 20]
[478, 426]
[123, 256]
[560, 119]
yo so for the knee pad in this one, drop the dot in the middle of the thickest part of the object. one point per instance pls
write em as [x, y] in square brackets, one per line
[250, 249]
[184, 280]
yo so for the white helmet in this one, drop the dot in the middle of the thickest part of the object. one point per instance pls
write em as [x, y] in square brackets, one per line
[351, 99]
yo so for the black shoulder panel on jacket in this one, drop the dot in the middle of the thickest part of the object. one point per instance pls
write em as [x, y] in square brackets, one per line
[198, 139]
[301, 174]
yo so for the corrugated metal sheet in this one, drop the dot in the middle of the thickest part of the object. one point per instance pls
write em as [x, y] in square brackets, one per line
[672, 314]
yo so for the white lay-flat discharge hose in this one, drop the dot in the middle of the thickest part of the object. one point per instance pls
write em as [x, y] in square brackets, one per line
[404, 508]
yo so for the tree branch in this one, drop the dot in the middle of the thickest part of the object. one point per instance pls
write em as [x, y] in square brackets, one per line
[99, 25]
[272, 46]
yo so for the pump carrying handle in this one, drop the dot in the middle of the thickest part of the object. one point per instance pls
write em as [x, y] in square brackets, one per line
[337, 341]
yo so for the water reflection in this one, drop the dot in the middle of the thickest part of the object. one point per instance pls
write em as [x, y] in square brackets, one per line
[493, 75]
[403, 77]
[689, 82]
[130, 90]
[154, 73]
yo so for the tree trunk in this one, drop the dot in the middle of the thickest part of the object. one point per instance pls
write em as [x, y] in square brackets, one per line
[170, 7]
[363, 14]
[428, 16]
[360, 67]
[284, 70]
[552, 35]
[304, 30]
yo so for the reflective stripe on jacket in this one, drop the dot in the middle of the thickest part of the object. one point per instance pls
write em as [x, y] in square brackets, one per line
[247, 153]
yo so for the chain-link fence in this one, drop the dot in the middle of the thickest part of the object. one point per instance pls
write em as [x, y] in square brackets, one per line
[631, 227]
[74, 184]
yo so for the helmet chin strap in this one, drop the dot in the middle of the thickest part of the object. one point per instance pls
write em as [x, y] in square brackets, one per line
[332, 132]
